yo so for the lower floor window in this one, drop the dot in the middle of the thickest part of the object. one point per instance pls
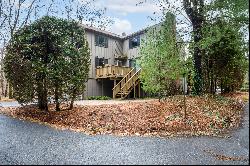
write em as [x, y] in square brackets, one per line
[131, 63]
[100, 61]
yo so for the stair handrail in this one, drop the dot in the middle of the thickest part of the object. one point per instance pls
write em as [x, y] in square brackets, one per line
[131, 79]
[123, 78]
[119, 84]
[125, 94]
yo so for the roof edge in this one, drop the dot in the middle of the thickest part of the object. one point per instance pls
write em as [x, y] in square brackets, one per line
[91, 28]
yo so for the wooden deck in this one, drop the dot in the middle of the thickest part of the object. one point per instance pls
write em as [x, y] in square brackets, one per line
[112, 72]
[121, 56]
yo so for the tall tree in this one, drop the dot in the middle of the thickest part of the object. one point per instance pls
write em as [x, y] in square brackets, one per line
[195, 12]
[49, 58]
[160, 59]
[15, 14]
[224, 63]
[198, 14]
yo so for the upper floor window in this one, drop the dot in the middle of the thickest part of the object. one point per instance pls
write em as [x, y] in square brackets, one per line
[101, 41]
[134, 42]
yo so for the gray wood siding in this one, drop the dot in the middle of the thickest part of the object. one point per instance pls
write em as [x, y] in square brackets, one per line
[107, 53]
[93, 88]
[132, 53]
[116, 45]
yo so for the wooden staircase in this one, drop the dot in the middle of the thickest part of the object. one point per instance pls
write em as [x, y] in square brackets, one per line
[127, 84]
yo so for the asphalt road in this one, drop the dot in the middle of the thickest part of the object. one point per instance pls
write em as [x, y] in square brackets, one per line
[23, 142]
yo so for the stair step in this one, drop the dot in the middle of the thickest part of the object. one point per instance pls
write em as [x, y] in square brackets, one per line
[122, 93]
[129, 89]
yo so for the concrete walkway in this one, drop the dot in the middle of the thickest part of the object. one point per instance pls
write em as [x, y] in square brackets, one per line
[23, 142]
[85, 102]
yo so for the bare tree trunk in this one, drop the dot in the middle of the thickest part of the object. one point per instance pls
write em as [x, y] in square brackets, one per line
[57, 98]
[185, 107]
[212, 82]
[194, 10]
[6, 90]
[42, 80]
[72, 99]
[42, 96]
[221, 86]
[71, 104]
[215, 84]
[197, 61]
[10, 91]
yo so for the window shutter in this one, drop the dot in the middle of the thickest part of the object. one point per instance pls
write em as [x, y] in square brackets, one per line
[96, 40]
[96, 61]
[106, 42]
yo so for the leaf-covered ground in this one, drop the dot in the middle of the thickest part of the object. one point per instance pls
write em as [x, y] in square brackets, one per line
[241, 96]
[205, 116]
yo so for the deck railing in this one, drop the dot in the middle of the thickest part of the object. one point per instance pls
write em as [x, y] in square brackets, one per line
[112, 71]
[131, 82]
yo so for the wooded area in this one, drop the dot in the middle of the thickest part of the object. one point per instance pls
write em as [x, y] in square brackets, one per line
[217, 45]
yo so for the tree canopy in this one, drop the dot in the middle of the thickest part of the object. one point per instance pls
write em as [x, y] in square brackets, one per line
[225, 63]
[199, 20]
[48, 59]
[161, 59]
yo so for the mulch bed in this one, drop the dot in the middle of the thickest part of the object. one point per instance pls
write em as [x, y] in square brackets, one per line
[206, 115]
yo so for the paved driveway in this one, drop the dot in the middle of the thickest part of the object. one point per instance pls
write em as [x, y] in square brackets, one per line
[23, 142]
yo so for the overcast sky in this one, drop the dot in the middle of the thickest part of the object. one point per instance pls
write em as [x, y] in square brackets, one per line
[128, 17]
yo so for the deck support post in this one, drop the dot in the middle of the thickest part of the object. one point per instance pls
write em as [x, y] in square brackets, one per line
[139, 90]
[102, 87]
[113, 91]
[134, 90]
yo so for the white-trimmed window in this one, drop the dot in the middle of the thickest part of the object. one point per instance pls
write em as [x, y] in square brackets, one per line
[101, 41]
[134, 42]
